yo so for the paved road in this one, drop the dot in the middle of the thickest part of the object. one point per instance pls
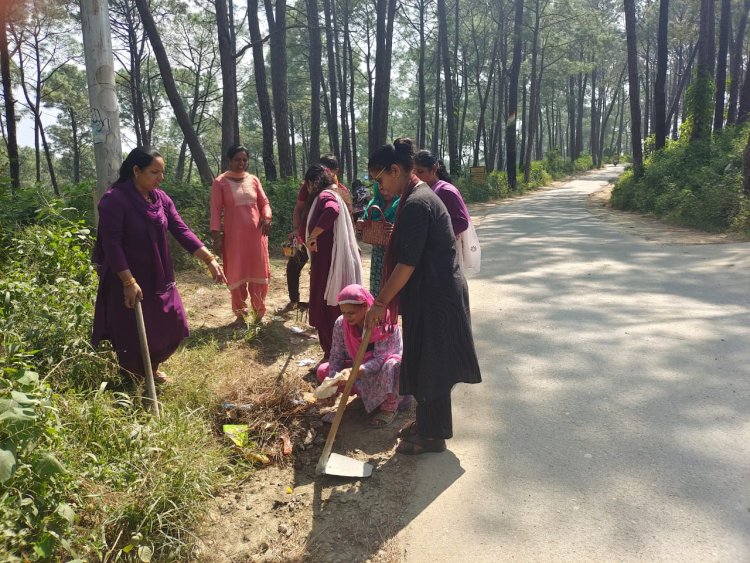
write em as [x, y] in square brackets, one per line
[614, 418]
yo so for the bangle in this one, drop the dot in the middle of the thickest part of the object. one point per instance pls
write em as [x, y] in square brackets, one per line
[208, 259]
[129, 282]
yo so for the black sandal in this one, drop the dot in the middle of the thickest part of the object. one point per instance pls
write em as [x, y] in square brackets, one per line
[416, 445]
[408, 431]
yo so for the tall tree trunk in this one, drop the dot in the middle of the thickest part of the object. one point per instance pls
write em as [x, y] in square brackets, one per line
[76, 147]
[684, 79]
[378, 126]
[725, 30]
[621, 126]
[660, 92]
[633, 87]
[341, 70]
[422, 102]
[572, 117]
[10, 104]
[316, 77]
[746, 169]
[735, 71]
[294, 144]
[277, 30]
[607, 114]
[462, 126]
[701, 108]
[229, 135]
[533, 93]
[744, 108]
[593, 132]
[511, 119]
[436, 117]
[524, 125]
[183, 119]
[450, 110]
[352, 113]
[647, 91]
[333, 123]
[582, 84]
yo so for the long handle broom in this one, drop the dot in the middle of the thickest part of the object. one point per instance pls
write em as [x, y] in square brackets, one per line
[336, 464]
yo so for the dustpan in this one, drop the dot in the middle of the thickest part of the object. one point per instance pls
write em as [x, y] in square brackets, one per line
[337, 464]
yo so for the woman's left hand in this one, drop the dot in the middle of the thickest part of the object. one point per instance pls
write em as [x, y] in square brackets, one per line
[265, 227]
[217, 273]
[375, 316]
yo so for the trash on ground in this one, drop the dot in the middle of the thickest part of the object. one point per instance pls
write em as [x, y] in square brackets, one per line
[328, 387]
[304, 362]
[286, 444]
[238, 433]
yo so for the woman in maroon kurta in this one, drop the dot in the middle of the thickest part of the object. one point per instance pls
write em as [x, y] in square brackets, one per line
[335, 261]
[132, 257]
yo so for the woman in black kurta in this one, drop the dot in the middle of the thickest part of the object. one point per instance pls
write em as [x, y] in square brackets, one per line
[424, 284]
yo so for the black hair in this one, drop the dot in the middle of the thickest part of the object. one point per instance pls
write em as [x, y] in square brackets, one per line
[329, 161]
[318, 178]
[142, 157]
[428, 160]
[401, 152]
[234, 149]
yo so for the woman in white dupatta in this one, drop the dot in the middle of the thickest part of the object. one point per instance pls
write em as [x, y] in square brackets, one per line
[335, 259]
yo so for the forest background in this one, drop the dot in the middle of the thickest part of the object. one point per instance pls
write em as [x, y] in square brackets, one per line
[530, 90]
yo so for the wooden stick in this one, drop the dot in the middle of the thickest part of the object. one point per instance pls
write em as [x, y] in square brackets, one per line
[150, 386]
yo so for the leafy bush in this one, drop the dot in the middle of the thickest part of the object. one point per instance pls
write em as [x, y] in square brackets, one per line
[35, 517]
[47, 289]
[692, 183]
[583, 163]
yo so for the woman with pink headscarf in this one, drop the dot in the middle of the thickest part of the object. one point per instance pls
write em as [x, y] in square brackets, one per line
[378, 380]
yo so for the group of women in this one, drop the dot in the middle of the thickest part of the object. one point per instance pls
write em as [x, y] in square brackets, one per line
[416, 276]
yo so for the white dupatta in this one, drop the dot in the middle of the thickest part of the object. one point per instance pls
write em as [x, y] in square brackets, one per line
[346, 264]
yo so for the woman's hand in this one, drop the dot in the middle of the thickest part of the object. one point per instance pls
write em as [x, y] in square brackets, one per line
[312, 244]
[265, 227]
[375, 316]
[217, 273]
[132, 293]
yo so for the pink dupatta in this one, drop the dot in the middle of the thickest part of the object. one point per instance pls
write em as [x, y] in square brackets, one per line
[355, 294]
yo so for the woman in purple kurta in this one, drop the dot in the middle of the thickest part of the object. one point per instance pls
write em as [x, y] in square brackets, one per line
[432, 172]
[330, 270]
[133, 261]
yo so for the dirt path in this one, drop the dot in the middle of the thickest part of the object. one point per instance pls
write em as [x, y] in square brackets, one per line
[283, 512]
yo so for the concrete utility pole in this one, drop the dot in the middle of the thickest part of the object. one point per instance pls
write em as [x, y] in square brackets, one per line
[105, 114]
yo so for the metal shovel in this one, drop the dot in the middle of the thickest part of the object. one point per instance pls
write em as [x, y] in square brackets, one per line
[336, 464]
[150, 386]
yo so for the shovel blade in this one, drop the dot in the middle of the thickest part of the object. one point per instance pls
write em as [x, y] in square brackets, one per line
[343, 467]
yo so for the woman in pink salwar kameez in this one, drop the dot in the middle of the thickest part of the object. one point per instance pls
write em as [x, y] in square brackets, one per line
[238, 199]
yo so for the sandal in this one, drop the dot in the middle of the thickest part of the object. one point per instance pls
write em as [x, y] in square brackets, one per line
[417, 446]
[381, 419]
[408, 431]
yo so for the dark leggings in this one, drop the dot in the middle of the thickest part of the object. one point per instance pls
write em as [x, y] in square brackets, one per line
[434, 418]
[293, 270]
